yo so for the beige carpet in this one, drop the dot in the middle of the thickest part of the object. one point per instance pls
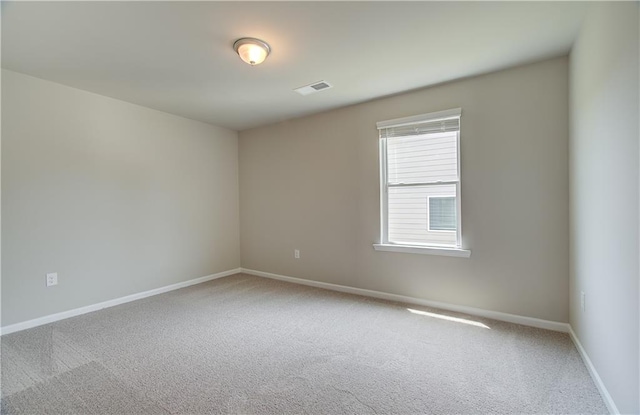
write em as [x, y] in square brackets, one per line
[244, 344]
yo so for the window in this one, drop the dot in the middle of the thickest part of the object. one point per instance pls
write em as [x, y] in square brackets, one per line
[442, 213]
[420, 181]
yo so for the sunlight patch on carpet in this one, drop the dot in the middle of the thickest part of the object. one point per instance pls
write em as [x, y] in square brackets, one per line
[449, 318]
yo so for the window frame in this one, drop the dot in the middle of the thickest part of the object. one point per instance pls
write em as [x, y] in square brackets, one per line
[433, 249]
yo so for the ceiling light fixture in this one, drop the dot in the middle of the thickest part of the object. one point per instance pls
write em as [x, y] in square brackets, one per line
[251, 50]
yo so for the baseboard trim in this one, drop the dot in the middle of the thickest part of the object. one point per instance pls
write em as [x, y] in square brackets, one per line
[495, 315]
[606, 397]
[110, 303]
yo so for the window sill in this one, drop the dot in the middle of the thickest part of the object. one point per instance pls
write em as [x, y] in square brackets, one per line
[413, 249]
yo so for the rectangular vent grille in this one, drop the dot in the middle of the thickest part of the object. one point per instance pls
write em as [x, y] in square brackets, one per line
[314, 87]
[320, 85]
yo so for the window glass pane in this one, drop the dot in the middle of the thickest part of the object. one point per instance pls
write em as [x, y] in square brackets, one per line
[442, 213]
[408, 215]
[422, 158]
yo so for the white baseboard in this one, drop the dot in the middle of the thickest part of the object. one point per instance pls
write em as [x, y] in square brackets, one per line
[110, 303]
[606, 397]
[495, 315]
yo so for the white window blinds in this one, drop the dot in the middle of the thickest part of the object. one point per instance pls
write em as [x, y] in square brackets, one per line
[442, 121]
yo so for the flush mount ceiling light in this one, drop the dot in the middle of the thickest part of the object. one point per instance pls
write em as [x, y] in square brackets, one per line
[251, 50]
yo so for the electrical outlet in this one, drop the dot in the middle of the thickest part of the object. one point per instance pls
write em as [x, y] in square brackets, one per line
[52, 279]
[582, 300]
[296, 253]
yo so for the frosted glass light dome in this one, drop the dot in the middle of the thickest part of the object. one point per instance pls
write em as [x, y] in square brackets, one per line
[252, 51]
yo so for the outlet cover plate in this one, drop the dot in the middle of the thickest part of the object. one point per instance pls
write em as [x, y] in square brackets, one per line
[52, 279]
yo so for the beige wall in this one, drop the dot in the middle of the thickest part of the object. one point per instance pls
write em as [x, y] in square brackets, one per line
[116, 198]
[313, 184]
[604, 196]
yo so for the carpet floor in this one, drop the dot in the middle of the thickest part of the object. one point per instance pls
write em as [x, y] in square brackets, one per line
[244, 344]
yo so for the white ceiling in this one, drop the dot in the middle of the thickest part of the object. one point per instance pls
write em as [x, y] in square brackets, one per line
[177, 56]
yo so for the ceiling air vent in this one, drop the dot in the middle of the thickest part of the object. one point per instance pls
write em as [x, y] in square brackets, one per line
[314, 87]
